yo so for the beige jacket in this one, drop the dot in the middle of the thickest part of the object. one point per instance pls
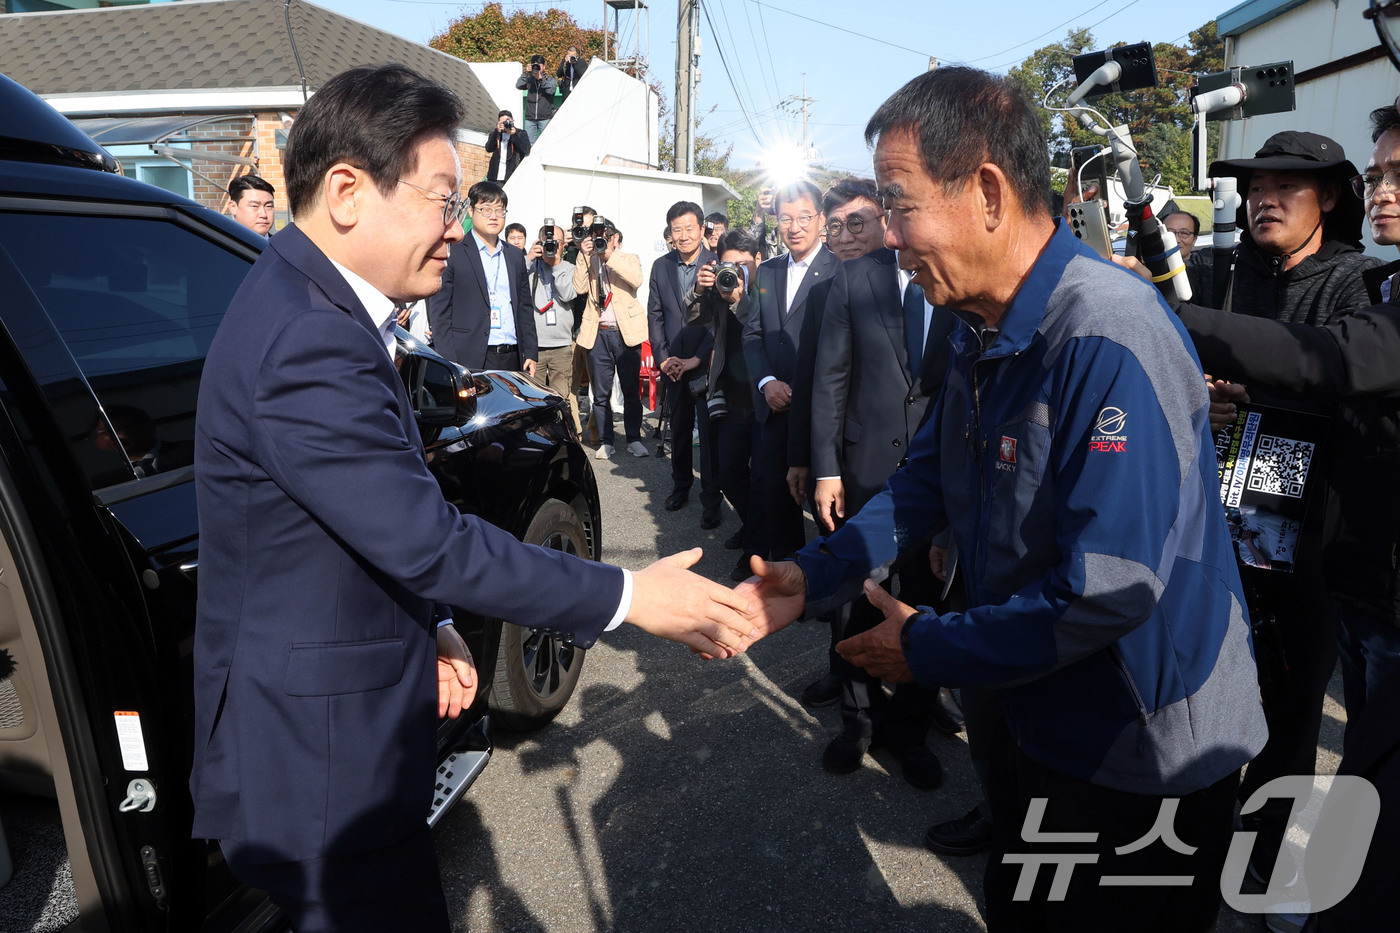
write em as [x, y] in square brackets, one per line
[625, 277]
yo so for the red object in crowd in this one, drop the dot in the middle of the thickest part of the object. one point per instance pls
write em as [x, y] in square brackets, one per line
[649, 378]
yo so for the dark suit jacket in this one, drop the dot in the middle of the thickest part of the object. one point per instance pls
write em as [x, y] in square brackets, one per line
[866, 403]
[729, 372]
[314, 657]
[460, 313]
[517, 148]
[666, 307]
[800, 430]
[771, 336]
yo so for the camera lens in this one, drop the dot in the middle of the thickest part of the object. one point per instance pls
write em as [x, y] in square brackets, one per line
[727, 280]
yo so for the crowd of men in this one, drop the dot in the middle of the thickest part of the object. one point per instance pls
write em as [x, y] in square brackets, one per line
[926, 363]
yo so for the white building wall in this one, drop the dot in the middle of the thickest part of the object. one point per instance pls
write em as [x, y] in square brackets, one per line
[1337, 105]
[591, 153]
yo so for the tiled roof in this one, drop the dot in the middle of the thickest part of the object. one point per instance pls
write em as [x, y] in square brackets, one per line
[212, 44]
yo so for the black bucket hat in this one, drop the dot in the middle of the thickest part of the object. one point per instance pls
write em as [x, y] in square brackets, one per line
[1297, 151]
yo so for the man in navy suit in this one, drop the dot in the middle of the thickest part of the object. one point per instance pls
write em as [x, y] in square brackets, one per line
[482, 316]
[772, 335]
[326, 545]
[683, 352]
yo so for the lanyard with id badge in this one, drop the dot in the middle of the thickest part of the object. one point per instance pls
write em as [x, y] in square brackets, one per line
[551, 317]
[497, 311]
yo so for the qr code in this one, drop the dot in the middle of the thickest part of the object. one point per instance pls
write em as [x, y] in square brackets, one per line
[1280, 466]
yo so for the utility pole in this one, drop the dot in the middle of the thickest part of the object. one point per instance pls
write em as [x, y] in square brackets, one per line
[805, 101]
[687, 51]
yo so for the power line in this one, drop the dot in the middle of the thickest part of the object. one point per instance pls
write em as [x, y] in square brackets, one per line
[767, 47]
[705, 9]
[851, 32]
[733, 44]
[1042, 35]
[1090, 26]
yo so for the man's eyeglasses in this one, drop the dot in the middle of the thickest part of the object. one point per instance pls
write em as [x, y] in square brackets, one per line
[855, 224]
[484, 214]
[1366, 186]
[802, 220]
[1183, 234]
[453, 207]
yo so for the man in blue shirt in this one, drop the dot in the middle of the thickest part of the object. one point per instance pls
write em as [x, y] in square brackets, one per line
[1070, 455]
[483, 316]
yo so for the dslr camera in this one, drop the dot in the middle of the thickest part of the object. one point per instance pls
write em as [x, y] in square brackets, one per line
[547, 240]
[717, 405]
[579, 230]
[508, 124]
[728, 276]
[709, 229]
[601, 231]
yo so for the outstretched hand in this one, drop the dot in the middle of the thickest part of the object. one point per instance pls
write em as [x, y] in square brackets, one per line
[456, 673]
[878, 651]
[776, 593]
[670, 602]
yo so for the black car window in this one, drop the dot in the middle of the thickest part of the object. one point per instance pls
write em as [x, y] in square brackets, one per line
[137, 301]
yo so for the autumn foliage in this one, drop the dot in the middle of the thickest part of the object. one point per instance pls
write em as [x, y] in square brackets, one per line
[493, 36]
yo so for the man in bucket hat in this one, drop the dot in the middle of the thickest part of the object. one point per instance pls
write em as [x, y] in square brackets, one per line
[1299, 260]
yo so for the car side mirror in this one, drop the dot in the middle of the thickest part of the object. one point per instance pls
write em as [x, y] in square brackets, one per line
[442, 394]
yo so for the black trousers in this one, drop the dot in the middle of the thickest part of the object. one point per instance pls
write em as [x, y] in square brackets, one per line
[508, 360]
[1203, 820]
[611, 355]
[687, 416]
[394, 888]
[781, 531]
[1296, 655]
[903, 720]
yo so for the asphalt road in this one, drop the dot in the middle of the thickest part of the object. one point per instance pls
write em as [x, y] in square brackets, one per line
[679, 795]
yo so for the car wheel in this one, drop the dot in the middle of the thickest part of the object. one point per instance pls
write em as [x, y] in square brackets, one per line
[536, 671]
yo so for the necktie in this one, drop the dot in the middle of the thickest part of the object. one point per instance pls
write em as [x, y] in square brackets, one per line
[914, 327]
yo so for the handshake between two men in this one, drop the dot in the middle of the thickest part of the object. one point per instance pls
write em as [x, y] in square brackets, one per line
[671, 602]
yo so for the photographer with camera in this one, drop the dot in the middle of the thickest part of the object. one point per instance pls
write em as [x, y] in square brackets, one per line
[768, 239]
[552, 289]
[570, 70]
[516, 144]
[683, 356]
[719, 301]
[614, 326]
[538, 86]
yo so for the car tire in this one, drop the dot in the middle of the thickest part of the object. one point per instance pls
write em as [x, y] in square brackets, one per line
[536, 671]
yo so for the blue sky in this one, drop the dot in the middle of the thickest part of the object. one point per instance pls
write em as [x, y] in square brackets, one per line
[769, 46]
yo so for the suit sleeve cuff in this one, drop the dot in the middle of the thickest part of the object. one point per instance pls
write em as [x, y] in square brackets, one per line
[820, 478]
[765, 380]
[624, 605]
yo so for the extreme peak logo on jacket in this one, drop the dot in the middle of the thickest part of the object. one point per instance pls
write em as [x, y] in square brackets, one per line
[1108, 433]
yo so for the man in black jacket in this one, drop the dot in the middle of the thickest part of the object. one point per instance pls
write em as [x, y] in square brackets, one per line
[515, 143]
[1299, 261]
[682, 353]
[538, 86]
[570, 70]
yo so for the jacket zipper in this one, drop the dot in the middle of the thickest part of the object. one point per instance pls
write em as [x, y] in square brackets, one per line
[1117, 657]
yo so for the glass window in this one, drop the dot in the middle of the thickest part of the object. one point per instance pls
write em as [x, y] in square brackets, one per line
[137, 302]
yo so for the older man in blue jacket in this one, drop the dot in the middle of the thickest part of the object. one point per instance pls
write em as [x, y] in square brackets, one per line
[1070, 454]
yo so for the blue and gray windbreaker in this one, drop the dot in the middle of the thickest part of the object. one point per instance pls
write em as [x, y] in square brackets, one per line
[1072, 458]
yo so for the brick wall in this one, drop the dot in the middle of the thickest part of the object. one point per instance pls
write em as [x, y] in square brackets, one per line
[262, 145]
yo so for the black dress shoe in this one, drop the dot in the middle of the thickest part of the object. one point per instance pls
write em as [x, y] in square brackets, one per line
[735, 541]
[844, 754]
[967, 835]
[823, 692]
[920, 766]
[947, 716]
[710, 518]
[676, 499]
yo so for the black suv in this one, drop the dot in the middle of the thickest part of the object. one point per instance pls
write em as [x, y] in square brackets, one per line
[110, 292]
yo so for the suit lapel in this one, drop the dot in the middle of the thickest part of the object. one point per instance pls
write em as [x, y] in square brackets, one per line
[298, 250]
[474, 263]
[889, 304]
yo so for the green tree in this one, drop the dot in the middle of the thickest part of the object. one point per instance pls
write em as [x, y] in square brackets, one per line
[491, 35]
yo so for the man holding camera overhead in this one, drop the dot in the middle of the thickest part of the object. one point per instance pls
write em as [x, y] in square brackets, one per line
[614, 326]
[538, 86]
[552, 288]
